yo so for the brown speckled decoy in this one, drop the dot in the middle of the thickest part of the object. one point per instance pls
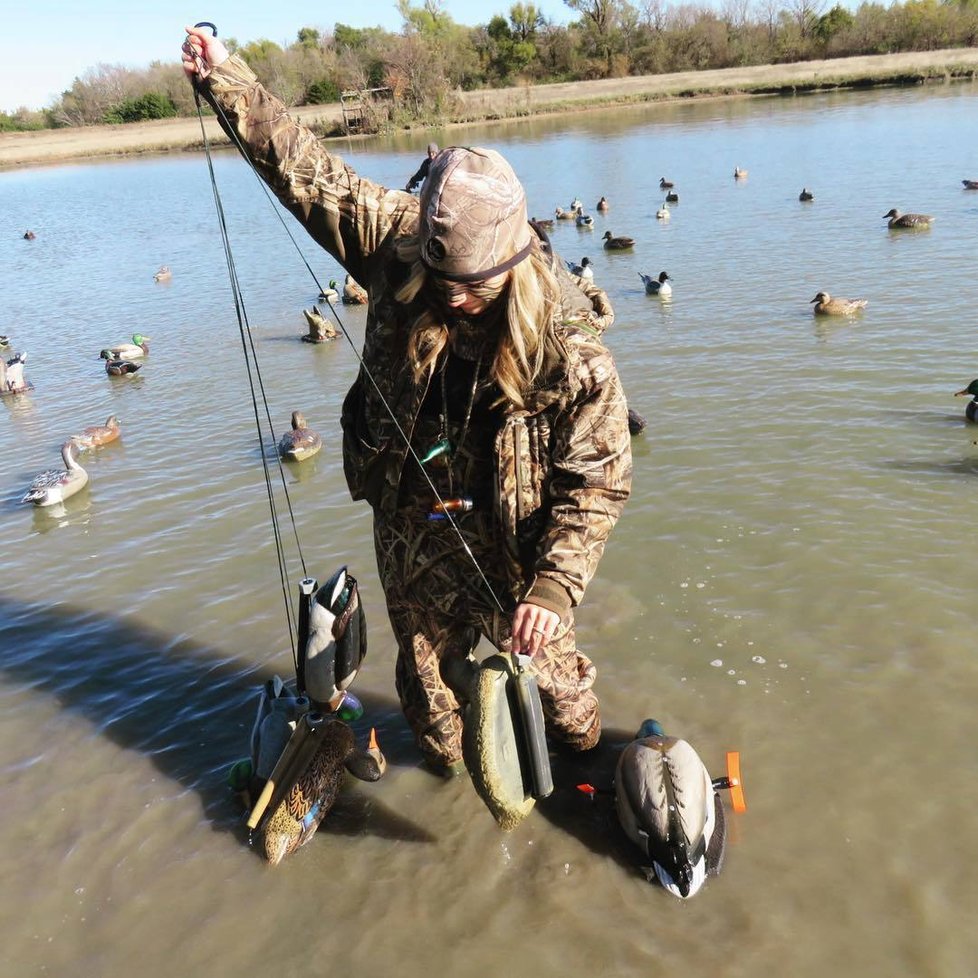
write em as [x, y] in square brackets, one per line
[970, 184]
[354, 294]
[620, 243]
[825, 305]
[97, 434]
[894, 219]
[320, 331]
[602, 205]
[163, 275]
[301, 442]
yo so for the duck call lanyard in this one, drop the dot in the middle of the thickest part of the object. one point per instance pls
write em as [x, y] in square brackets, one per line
[444, 447]
[246, 339]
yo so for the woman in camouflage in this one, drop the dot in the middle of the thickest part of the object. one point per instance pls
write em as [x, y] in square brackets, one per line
[484, 377]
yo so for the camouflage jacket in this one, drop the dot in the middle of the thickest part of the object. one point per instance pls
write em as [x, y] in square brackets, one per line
[563, 462]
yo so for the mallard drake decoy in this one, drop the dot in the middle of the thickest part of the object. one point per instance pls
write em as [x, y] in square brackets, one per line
[894, 219]
[668, 806]
[584, 270]
[971, 408]
[138, 348]
[739, 174]
[354, 294]
[120, 368]
[96, 435]
[543, 222]
[657, 286]
[56, 485]
[621, 243]
[301, 442]
[12, 380]
[602, 205]
[636, 423]
[662, 214]
[562, 215]
[320, 331]
[970, 184]
[825, 305]
[583, 220]
[806, 194]
[29, 235]
[331, 293]
[665, 184]
[163, 275]
[672, 197]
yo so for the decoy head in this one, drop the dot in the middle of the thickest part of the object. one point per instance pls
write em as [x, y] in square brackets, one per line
[820, 297]
[650, 728]
[139, 339]
[298, 420]
[892, 212]
[663, 276]
[971, 389]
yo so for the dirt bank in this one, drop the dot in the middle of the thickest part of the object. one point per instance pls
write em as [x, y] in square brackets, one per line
[55, 146]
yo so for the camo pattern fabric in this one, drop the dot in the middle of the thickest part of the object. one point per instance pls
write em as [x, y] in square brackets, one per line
[439, 608]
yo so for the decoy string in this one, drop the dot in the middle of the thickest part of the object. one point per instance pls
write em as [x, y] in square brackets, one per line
[229, 128]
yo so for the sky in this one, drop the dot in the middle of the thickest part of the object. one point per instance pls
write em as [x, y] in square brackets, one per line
[46, 44]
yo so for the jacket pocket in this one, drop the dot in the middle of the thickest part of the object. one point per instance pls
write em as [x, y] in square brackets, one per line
[524, 464]
[362, 458]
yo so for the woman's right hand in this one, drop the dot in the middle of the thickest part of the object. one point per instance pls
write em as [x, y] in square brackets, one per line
[202, 52]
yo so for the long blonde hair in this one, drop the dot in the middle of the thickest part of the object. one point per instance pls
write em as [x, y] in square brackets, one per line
[527, 345]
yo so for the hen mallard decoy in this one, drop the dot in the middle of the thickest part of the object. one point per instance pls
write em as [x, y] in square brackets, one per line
[12, 379]
[97, 435]
[657, 286]
[354, 294]
[665, 184]
[29, 235]
[320, 331]
[543, 222]
[120, 368]
[602, 205]
[894, 219]
[669, 807]
[806, 194]
[138, 348]
[971, 408]
[301, 442]
[636, 423]
[739, 174]
[825, 305]
[56, 485]
[672, 197]
[584, 270]
[331, 293]
[662, 214]
[620, 243]
[562, 215]
[970, 184]
[163, 275]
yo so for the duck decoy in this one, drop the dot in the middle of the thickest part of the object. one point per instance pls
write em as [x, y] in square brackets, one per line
[636, 423]
[301, 442]
[120, 368]
[620, 243]
[354, 294]
[163, 275]
[739, 174]
[970, 184]
[56, 485]
[806, 194]
[562, 215]
[584, 270]
[665, 184]
[894, 219]
[825, 305]
[576, 204]
[331, 293]
[657, 286]
[12, 380]
[583, 220]
[96, 435]
[662, 214]
[672, 197]
[4, 342]
[136, 350]
[971, 408]
[320, 331]
[669, 807]
[602, 205]
[543, 222]
[29, 235]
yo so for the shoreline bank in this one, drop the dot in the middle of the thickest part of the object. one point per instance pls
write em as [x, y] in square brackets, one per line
[51, 146]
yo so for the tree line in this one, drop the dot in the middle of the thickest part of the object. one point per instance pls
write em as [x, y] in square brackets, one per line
[431, 57]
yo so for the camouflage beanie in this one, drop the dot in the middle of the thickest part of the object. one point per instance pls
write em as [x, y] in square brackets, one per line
[473, 216]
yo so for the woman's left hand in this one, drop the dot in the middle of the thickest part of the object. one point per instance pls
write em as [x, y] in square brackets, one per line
[533, 627]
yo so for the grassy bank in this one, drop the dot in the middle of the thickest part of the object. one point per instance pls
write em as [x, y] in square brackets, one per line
[56, 146]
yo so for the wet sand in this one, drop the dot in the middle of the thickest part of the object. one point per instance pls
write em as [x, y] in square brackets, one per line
[55, 146]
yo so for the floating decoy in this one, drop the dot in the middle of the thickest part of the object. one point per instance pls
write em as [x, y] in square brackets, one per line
[583, 220]
[662, 214]
[914, 221]
[806, 194]
[163, 275]
[970, 184]
[97, 435]
[544, 222]
[301, 442]
[320, 331]
[602, 205]
[354, 294]
[138, 348]
[576, 204]
[672, 197]
[4, 342]
[29, 235]
[119, 368]
[657, 286]
[665, 184]
[584, 270]
[739, 174]
[636, 423]
[621, 243]
[825, 305]
[669, 807]
[56, 485]
[971, 408]
[12, 380]
[331, 293]
[564, 215]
